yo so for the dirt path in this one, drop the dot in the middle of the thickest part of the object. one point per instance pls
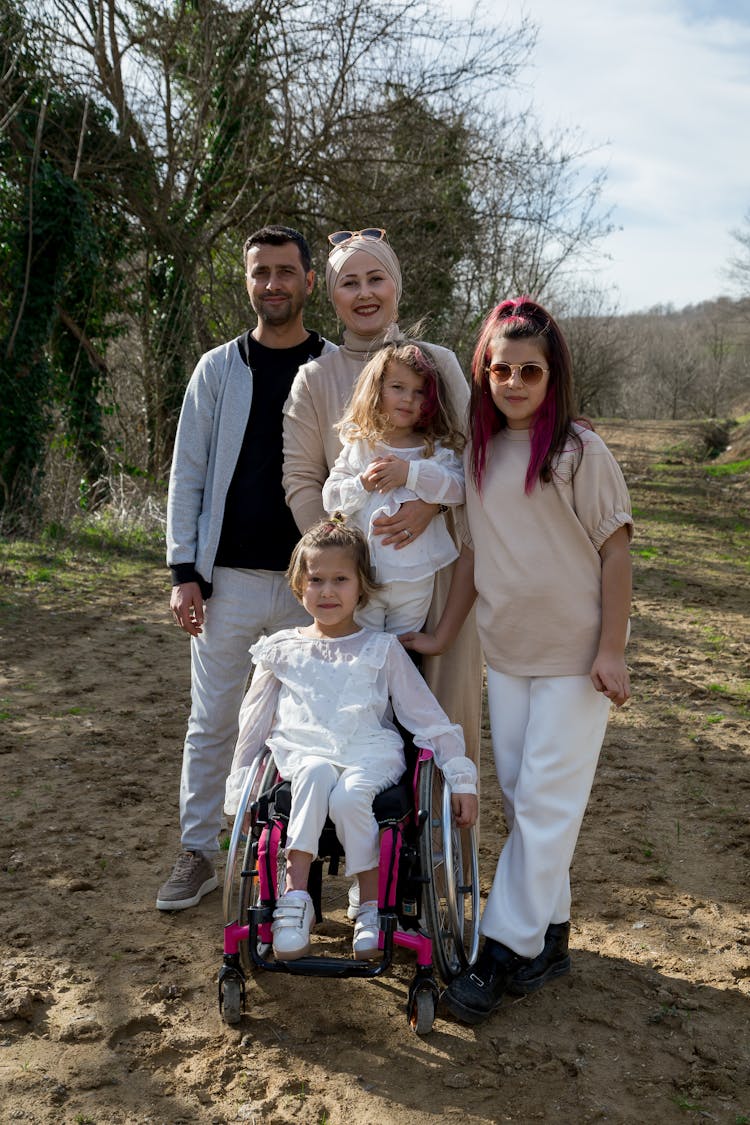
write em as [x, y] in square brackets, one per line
[108, 1008]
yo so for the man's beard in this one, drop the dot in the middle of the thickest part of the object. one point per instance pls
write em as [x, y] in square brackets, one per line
[280, 314]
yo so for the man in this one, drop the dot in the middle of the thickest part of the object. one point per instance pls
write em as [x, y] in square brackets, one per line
[230, 533]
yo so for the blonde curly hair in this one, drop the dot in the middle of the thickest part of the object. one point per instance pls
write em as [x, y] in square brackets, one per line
[364, 417]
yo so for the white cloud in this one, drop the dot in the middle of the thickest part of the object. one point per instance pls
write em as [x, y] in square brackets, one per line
[664, 87]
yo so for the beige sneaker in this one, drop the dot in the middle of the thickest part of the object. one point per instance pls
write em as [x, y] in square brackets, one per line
[192, 877]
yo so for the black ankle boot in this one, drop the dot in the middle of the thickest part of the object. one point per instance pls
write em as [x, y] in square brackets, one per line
[553, 961]
[478, 991]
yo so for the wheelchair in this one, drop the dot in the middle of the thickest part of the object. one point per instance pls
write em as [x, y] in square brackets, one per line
[428, 892]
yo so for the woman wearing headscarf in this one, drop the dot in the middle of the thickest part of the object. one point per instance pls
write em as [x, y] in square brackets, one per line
[363, 280]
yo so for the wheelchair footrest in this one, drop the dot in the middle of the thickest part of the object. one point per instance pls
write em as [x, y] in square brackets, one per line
[322, 966]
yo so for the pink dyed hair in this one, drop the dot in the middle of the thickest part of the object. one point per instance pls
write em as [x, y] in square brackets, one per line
[522, 319]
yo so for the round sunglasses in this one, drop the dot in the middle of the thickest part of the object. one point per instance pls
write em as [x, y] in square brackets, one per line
[531, 374]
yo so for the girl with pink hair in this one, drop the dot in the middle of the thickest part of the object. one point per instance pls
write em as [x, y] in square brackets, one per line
[546, 557]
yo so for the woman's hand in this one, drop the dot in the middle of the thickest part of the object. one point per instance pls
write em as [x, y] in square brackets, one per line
[465, 807]
[426, 643]
[408, 523]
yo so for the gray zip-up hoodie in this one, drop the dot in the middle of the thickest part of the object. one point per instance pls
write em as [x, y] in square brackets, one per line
[212, 425]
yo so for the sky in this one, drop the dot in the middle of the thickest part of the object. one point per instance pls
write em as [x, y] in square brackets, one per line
[660, 89]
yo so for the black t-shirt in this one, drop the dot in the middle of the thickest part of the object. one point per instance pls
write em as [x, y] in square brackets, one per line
[258, 531]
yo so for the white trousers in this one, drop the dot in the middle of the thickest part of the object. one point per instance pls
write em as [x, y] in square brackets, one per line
[546, 736]
[244, 605]
[398, 607]
[320, 788]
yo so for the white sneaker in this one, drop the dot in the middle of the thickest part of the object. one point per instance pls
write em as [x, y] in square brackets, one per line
[352, 909]
[292, 922]
[366, 933]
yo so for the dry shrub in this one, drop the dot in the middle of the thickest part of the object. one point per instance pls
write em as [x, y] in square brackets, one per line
[714, 434]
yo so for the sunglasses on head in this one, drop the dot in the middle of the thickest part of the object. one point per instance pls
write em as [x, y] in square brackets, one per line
[531, 374]
[375, 234]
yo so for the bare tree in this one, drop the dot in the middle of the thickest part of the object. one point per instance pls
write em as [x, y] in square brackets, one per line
[739, 265]
[719, 350]
[226, 115]
[602, 352]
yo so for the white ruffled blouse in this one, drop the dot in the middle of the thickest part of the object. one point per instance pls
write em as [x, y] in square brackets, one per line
[331, 697]
[438, 480]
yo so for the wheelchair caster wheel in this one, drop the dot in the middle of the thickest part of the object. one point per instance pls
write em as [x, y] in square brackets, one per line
[231, 1001]
[422, 1014]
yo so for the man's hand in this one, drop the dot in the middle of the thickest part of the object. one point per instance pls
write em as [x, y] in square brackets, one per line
[187, 607]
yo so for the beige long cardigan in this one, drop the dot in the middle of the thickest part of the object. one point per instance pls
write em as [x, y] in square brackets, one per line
[319, 394]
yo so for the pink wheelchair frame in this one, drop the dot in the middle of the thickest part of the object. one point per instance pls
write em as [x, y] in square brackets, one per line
[428, 893]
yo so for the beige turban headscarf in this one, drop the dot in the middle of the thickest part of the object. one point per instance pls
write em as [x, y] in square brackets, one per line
[380, 250]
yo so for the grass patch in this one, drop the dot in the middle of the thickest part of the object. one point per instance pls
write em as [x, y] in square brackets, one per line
[74, 560]
[730, 469]
[668, 467]
[687, 1105]
[742, 690]
[43, 574]
[716, 640]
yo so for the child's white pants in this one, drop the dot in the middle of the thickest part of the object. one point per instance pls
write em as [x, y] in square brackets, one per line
[398, 607]
[320, 788]
[546, 736]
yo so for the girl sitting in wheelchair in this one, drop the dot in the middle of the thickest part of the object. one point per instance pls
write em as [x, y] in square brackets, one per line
[321, 699]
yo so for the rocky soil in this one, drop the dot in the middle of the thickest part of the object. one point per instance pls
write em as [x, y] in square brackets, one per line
[108, 1010]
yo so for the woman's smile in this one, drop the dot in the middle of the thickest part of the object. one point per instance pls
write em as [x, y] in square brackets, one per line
[364, 295]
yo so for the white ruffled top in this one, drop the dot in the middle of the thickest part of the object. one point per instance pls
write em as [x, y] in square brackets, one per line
[438, 480]
[332, 697]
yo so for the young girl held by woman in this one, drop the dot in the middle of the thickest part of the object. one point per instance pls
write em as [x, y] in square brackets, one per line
[320, 699]
[549, 566]
[401, 442]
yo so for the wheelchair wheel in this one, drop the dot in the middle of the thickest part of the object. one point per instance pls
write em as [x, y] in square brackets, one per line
[241, 890]
[422, 1015]
[449, 862]
[231, 1001]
